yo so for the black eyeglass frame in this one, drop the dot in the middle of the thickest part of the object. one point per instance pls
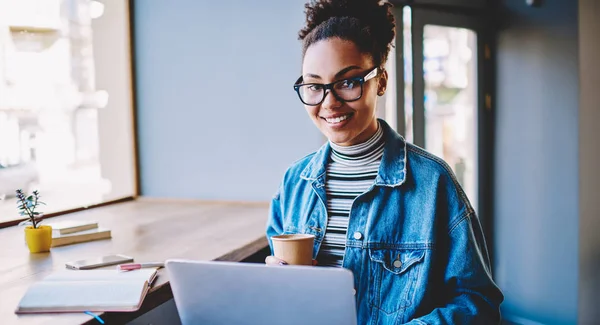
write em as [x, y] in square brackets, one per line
[361, 80]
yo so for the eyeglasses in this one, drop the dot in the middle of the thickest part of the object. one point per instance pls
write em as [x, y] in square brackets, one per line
[347, 90]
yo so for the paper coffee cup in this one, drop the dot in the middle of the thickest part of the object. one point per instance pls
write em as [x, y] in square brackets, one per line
[295, 249]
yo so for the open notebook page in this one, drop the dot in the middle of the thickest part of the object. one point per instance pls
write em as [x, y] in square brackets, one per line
[91, 296]
[101, 275]
[94, 290]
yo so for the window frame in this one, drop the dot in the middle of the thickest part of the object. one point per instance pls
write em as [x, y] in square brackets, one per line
[129, 6]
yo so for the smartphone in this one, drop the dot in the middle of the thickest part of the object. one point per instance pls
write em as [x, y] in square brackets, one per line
[93, 263]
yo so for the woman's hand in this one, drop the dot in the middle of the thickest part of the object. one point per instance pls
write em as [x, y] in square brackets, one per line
[272, 260]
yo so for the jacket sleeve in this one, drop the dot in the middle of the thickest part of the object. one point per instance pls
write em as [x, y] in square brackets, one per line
[471, 295]
[275, 220]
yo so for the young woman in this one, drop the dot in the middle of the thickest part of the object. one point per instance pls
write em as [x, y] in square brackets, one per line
[387, 210]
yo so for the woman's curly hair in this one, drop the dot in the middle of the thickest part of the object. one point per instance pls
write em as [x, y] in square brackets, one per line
[370, 24]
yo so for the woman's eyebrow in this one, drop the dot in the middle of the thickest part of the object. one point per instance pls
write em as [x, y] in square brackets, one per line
[337, 75]
[346, 69]
[313, 76]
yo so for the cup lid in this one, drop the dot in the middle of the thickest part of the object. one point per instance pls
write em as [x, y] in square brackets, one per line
[290, 237]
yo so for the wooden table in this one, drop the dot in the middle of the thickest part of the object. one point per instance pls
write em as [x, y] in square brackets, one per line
[146, 229]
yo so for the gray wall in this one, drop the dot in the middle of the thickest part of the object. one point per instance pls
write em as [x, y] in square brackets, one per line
[536, 159]
[589, 161]
[217, 114]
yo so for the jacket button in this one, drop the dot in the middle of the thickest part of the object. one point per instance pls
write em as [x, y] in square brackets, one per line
[357, 235]
[397, 263]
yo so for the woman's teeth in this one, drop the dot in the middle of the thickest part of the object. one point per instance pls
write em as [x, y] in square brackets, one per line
[337, 119]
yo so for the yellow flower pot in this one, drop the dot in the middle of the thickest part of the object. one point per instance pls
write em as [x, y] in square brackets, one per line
[39, 239]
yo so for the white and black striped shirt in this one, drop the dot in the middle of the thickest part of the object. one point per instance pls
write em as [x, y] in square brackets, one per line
[350, 172]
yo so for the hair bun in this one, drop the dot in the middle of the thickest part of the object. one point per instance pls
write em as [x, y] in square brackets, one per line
[372, 14]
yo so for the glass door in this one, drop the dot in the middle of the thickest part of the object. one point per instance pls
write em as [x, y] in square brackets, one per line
[450, 97]
[443, 101]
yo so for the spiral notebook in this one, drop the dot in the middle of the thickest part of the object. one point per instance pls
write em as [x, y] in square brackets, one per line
[89, 290]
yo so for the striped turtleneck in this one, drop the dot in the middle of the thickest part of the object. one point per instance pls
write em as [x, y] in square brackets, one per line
[351, 171]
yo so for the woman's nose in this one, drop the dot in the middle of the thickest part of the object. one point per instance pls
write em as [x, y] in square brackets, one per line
[331, 102]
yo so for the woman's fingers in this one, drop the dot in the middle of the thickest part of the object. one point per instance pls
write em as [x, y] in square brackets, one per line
[272, 260]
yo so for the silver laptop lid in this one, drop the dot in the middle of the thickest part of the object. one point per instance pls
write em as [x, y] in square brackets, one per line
[241, 293]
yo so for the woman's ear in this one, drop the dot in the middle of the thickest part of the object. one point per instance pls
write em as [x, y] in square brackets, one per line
[382, 84]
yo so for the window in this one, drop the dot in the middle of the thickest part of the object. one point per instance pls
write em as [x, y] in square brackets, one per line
[450, 73]
[66, 117]
[438, 105]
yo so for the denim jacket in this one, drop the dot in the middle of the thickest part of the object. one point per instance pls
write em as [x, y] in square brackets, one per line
[414, 243]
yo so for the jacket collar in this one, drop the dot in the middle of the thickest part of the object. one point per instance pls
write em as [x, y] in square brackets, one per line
[392, 171]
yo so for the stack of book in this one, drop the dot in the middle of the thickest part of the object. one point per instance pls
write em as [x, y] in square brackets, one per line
[72, 232]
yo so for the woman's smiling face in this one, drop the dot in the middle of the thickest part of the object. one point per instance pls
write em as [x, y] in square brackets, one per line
[343, 123]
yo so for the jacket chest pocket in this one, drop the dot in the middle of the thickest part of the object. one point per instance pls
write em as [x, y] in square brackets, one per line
[394, 274]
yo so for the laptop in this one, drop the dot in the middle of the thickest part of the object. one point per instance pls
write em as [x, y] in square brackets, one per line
[215, 293]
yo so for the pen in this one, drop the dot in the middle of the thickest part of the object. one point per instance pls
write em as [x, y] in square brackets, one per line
[135, 266]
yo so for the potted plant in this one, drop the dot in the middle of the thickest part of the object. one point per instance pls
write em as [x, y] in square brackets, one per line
[37, 236]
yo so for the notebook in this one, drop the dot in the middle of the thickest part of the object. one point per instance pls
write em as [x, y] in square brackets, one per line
[89, 290]
[71, 226]
[80, 237]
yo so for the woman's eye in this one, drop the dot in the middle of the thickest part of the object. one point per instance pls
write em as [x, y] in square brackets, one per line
[348, 84]
[315, 87]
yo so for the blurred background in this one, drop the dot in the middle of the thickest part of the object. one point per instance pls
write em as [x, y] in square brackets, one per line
[103, 100]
